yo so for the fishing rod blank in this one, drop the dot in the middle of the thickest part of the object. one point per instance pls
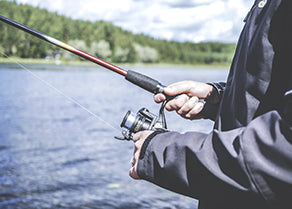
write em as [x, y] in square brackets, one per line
[136, 78]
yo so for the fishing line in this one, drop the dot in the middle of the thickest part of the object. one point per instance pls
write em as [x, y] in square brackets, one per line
[136, 78]
[58, 91]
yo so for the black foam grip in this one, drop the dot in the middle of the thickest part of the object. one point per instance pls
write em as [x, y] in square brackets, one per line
[144, 82]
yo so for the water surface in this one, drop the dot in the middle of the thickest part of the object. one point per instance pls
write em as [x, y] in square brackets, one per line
[54, 154]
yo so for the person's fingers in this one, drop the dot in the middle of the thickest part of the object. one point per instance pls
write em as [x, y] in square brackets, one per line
[177, 102]
[137, 146]
[133, 162]
[158, 98]
[135, 155]
[133, 172]
[193, 113]
[188, 106]
[137, 136]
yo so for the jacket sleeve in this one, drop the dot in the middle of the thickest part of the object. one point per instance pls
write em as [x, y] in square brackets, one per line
[255, 159]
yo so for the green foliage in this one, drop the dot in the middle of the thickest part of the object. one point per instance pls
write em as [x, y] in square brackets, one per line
[100, 38]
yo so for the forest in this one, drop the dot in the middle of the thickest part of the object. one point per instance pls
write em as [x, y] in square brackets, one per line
[100, 38]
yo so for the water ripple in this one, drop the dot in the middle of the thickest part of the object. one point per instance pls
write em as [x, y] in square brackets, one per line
[53, 154]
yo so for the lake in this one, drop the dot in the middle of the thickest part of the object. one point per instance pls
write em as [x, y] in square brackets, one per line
[54, 154]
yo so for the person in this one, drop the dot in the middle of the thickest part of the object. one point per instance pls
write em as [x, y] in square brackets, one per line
[246, 160]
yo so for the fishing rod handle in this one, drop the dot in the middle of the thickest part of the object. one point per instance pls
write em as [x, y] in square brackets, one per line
[147, 83]
[144, 82]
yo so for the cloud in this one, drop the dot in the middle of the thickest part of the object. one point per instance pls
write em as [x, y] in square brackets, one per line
[186, 3]
[179, 20]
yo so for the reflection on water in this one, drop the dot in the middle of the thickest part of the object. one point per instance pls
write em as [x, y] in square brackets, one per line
[53, 154]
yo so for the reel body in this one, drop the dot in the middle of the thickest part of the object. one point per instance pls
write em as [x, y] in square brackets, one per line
[142, 120]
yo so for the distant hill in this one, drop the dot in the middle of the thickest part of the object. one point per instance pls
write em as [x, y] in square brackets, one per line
[99, 38]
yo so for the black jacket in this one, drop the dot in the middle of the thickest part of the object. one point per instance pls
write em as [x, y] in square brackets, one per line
[246, 161]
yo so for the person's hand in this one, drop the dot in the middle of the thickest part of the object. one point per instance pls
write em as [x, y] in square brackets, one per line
[138, 138]
[187, 102]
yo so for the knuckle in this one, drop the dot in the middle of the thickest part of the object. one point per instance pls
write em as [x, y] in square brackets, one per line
[189, 105]
[171, 105]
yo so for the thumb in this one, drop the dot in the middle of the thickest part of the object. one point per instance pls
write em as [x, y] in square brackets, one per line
[170, 91]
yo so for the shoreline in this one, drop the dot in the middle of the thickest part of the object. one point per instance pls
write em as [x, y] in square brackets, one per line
[58, 63]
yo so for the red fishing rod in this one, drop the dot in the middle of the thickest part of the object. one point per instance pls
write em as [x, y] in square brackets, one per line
[136, 78]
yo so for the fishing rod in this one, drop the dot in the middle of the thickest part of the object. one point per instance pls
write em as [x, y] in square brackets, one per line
[132, 123]
[136, 78]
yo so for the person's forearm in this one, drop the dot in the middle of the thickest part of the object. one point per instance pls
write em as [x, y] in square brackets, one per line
[186, 163]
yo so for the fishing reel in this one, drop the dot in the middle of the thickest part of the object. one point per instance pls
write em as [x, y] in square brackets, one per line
[142, 120]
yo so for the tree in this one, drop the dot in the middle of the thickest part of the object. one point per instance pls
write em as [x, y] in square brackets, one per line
[101, 49]
[100, 38]
[146, 54]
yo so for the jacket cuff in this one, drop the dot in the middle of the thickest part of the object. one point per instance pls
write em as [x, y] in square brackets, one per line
[212, 102]
[148, 140]
[216, 95]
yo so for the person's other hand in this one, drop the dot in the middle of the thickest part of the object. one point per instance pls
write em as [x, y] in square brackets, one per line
[138, 138]
[187, 103]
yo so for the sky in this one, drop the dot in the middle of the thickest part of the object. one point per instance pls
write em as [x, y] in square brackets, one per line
[175, 20]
